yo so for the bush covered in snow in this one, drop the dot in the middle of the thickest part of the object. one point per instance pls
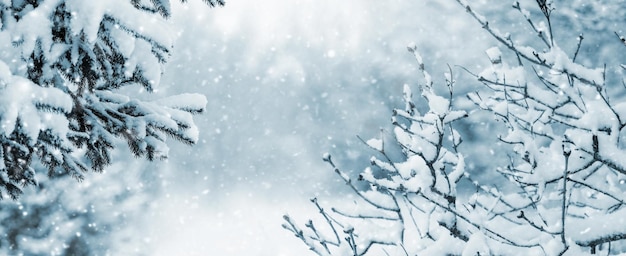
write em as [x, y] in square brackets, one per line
[561, 186]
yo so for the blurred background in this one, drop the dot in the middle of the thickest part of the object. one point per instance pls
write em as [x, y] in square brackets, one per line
[287, 81]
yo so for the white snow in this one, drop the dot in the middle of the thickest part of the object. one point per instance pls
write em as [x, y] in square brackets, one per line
[495, 55]
[375, 144]
[186, 101]
[477, 245]
[19, 99]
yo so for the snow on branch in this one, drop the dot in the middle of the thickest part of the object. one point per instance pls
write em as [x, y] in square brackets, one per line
[557, 123]
[60, 85]
[428, 174]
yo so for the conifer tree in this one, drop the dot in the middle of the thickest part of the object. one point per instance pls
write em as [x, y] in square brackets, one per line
[63, 69]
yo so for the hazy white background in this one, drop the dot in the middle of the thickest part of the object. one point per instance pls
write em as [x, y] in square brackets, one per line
[287, 81]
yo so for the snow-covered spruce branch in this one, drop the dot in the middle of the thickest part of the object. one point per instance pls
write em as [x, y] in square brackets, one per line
[59, 86]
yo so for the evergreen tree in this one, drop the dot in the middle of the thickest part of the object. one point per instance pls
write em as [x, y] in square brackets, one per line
[99, 216]
[63, 68]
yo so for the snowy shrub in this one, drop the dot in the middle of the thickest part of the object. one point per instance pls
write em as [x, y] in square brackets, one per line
[63, 66]
[561, 190]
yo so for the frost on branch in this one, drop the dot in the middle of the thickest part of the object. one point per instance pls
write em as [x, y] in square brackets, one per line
[411, 203]
[60, 75]
[564, 130]
[564, 187]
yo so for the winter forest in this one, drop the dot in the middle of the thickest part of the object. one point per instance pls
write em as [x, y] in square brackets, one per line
[356, 127]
